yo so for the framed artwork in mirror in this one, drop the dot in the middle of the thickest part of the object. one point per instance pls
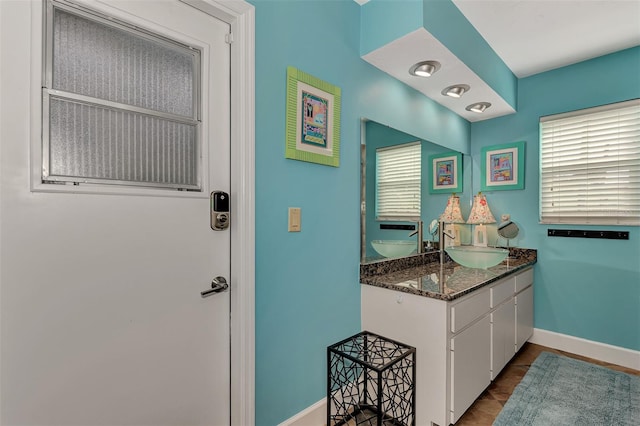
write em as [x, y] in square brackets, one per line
[502, 167]
[446, 173]
[312, 119]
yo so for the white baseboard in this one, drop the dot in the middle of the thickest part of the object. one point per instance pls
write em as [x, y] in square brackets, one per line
[600, 351]
[315, 415]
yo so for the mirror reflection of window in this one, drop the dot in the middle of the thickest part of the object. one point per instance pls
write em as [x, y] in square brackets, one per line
[377, 136]
[398, 181]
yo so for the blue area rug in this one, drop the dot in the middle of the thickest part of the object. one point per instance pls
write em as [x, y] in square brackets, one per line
[558, 390]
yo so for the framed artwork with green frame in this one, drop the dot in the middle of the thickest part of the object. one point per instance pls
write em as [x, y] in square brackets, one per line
[313, 119]
[446, 173]
[502, 167]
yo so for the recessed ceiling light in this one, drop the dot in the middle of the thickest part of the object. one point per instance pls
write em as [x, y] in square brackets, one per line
[478, 107]
[425, 68]
[456, 91]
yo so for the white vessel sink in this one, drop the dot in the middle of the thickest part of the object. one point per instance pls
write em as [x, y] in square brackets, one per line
[477, 257]
[394, 248]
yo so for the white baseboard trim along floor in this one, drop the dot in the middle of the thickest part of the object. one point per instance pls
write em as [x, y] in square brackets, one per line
[315, 415]
[600, 351]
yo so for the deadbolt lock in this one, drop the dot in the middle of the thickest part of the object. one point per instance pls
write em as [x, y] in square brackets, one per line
[219, 210]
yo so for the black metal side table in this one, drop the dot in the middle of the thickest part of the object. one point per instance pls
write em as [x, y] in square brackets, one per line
[371, 381]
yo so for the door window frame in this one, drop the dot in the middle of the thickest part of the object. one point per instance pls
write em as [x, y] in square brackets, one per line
[52, 93]
[39, 56]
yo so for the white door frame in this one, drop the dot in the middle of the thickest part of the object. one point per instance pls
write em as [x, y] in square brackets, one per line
[241, 16]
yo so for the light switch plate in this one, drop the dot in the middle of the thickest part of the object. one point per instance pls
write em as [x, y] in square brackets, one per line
[294, 219]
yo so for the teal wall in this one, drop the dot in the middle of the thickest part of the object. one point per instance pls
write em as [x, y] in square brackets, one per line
[587, 288]
[307, 291]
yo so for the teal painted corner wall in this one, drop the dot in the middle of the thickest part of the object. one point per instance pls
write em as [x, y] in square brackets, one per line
[584, 288]
[307, 291]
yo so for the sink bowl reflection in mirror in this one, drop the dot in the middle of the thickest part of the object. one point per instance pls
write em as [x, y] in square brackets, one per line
[477, 257]
[394, 248]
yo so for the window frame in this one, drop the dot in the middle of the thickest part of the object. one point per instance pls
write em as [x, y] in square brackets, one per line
[48, 93]
[580, 215]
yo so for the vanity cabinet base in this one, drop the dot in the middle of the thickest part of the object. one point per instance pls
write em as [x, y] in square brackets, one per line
[461, 345]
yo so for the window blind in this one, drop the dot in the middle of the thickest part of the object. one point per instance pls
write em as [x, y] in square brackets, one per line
[590, 166]
[398, 177]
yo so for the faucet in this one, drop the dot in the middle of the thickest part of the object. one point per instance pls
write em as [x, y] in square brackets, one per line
[441, 236]
[420, 238]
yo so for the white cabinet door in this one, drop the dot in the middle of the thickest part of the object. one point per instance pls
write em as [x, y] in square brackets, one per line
[524, 316]
[502, 336]
[470, 366]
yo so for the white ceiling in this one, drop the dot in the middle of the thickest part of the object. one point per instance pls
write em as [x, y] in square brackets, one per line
[530, 36]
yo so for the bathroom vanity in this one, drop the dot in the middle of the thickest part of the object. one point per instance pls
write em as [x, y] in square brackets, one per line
[465, 323]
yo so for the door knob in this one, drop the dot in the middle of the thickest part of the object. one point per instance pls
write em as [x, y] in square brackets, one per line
[218, 285]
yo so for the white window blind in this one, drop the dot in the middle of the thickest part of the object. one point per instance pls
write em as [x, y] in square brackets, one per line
[120, 105]
[398, 177]
[590, 166]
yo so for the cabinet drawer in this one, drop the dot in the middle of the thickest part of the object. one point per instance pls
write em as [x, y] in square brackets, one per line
[524, 280]
[465, 312]
[502, 291]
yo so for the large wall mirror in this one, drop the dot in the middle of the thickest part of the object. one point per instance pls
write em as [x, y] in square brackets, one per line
[377, 140]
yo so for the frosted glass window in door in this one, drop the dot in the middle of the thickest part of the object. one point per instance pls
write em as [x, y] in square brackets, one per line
[121, 104]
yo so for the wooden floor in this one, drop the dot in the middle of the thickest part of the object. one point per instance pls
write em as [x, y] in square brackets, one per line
[486, 408]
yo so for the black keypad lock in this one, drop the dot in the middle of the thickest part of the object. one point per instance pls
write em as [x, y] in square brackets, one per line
[219, 210]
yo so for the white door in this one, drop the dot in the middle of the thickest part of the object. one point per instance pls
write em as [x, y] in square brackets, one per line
[102, 318]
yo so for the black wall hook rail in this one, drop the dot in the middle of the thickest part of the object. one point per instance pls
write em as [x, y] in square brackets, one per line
[395, 226]
[576, 233]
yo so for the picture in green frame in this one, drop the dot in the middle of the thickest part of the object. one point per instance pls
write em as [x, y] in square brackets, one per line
[312, 119]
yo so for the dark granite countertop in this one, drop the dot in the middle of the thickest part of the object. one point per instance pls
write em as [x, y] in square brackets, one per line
[425, 276]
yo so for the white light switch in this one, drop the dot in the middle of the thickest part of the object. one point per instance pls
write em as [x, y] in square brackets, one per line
[294, 219]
